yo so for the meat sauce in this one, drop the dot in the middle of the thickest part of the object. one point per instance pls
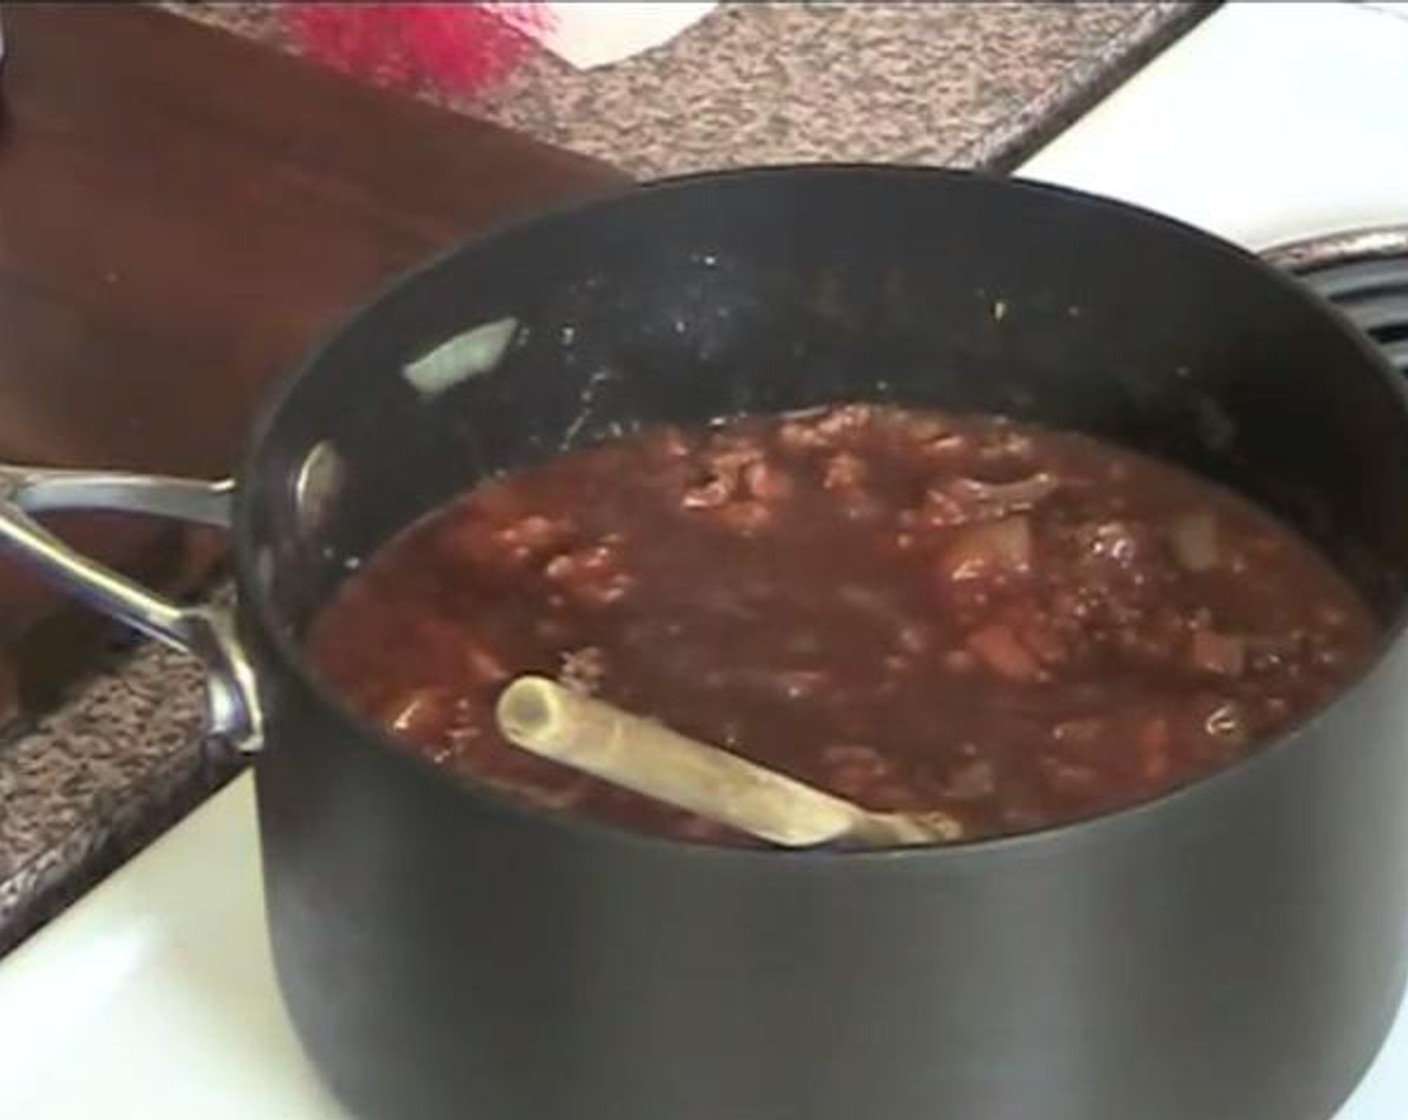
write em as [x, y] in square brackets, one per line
[911, 609]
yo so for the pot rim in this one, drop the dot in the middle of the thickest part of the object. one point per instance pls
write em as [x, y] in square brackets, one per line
[288, 654]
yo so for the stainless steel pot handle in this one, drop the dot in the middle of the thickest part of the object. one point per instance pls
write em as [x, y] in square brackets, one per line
[206, 631]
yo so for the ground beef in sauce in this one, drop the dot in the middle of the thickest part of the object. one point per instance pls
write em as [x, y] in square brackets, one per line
[911, 609]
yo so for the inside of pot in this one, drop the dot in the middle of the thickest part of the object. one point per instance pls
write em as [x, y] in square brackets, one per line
[773, 292]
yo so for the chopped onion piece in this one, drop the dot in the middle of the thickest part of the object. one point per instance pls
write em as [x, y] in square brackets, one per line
[1223, 655]
[1004, 545]
[998, 648]
[1022, 493]
[1194, 539]
[461, 357]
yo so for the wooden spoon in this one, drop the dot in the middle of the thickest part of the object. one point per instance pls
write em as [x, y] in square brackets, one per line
[551, 721]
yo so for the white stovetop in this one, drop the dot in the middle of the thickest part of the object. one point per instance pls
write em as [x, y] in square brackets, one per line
[153, 997]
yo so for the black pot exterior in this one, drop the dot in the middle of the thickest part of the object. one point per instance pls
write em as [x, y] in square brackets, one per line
[1235, 949]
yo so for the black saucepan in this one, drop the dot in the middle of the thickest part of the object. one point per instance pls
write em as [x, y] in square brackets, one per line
[1232, 951]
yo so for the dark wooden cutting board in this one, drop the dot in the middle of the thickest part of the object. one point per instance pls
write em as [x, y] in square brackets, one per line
[182, 213]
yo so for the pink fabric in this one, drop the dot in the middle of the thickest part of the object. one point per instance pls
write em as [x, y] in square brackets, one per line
[449, 48]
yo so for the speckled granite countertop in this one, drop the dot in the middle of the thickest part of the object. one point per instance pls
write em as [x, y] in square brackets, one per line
[977, 84]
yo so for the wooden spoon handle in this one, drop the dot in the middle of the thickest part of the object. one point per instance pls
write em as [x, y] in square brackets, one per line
[551, 721]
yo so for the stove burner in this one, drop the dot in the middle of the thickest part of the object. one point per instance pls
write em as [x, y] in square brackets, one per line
[1365, 274]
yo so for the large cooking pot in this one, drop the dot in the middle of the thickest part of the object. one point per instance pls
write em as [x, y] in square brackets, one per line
[1234, 950]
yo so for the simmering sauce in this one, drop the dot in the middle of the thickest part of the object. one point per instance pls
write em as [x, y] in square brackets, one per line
[911, 609]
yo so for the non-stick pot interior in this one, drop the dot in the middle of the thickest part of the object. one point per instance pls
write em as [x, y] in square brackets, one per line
[779, 289]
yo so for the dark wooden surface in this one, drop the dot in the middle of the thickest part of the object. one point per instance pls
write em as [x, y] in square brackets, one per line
[182, 213]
